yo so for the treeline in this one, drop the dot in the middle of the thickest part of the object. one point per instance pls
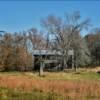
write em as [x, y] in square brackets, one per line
[93, 42]
[16, 50]
[58, 33]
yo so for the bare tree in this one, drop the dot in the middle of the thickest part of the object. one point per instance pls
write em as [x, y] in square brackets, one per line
[64, 31]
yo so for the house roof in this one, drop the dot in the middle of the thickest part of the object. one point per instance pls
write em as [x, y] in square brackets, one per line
[46, 52]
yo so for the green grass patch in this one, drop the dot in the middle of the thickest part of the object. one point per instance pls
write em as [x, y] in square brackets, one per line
[9, 94]
[73, 76]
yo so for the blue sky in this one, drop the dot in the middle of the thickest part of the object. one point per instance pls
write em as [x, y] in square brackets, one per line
[23, 15]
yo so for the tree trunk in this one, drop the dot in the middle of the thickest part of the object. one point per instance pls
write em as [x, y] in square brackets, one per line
[41, 68]
[64, 59]
[76, 68]
[76, 65]
[72, 62]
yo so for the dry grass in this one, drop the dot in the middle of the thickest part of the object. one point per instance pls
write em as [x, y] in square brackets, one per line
[95, 69]
[72, 89]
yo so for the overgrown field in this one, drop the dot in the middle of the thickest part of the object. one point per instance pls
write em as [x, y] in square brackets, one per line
[81, 85]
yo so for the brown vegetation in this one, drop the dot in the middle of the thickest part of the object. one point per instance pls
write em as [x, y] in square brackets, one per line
[73, 89]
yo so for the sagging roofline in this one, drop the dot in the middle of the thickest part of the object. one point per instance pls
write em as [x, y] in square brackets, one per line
[46, 52]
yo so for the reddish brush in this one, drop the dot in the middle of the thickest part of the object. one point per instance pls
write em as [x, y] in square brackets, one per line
[69, 88]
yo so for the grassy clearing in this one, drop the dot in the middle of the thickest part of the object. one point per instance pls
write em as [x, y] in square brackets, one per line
[73, 76]
[81, 85]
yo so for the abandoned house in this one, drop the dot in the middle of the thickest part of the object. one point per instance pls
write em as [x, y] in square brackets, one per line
[51, 59]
